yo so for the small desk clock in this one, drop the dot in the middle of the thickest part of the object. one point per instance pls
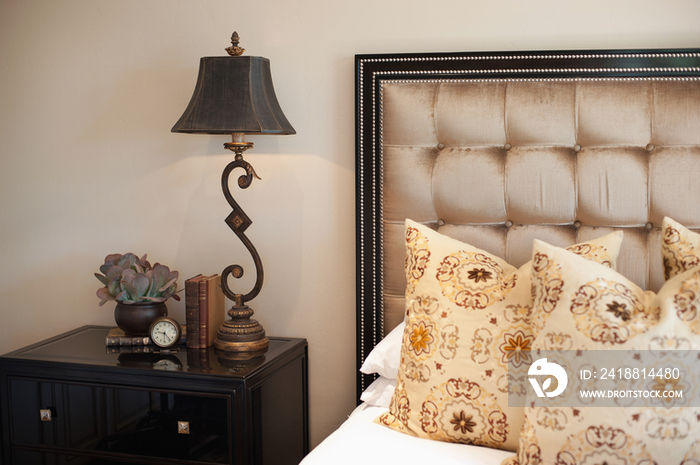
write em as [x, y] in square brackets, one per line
[165, 332]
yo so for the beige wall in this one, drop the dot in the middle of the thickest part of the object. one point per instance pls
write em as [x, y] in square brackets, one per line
[89, 90]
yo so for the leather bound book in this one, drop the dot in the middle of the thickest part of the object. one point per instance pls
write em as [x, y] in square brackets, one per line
[192, 311]
[211, 309]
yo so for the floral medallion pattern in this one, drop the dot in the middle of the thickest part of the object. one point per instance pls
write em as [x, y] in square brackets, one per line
[399, 409]
[557, 419]
[692, 457]
[480, 345]
[593, 252]
[687, 302]
[515, 346]
[495, 352]
[665, 424]
[610, 313]
[502, 345]
[462, 411]
[603, 445]
[662, 344]
[546, 289]
[429, 340]
[679, 254]
[417, 257]
[473, 280]
[682, 380]
[529, 452]
[518, 313]
[557, 340]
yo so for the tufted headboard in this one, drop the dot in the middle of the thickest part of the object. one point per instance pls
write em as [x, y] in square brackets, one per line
[497, 149]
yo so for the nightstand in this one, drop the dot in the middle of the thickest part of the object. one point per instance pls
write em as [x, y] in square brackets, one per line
[70, 399]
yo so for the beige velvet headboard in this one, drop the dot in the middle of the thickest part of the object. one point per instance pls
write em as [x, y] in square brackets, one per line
[499, 149]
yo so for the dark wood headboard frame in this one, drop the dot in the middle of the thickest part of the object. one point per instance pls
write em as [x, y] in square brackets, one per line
[371, 70]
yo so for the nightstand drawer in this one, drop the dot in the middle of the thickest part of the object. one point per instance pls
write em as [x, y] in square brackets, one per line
[118, 420]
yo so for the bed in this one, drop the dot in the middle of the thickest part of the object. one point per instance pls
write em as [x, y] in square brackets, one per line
[500, 151]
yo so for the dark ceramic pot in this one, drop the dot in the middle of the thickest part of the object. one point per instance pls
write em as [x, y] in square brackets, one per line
[135, 319]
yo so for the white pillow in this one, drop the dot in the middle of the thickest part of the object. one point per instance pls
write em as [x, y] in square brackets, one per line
[379, 392]
[386, 356]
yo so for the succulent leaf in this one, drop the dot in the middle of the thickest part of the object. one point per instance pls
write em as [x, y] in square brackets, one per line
[102, 279]
[130, 279]
[131, 290]
[144, 262]
[127, 260]
[167, 285]
[113, 272]
[122, 296]
[104, 295]
[114, 287]
[141, 283]
[128, 275]
[112, 259]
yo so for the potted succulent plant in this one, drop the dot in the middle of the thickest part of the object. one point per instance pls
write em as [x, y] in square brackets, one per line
[139, 289]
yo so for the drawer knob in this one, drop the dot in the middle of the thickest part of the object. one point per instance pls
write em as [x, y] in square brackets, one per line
[45, 414]
[183, 427]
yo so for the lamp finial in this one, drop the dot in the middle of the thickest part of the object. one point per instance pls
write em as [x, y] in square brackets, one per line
[234, 50]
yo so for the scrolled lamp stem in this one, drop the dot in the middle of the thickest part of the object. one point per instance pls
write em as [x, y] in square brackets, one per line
[240, 333]
[238, 221]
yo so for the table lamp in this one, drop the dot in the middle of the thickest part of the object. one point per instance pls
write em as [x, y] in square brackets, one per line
[235, 95]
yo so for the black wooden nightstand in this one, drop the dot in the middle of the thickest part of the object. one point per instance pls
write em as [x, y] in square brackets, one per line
[70, 399]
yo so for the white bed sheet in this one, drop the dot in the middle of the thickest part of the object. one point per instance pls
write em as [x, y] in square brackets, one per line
[360, 440]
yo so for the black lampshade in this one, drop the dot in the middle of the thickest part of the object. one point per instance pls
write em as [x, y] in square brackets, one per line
[234, 95]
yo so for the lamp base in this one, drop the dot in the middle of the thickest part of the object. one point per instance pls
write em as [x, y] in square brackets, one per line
[241, 333]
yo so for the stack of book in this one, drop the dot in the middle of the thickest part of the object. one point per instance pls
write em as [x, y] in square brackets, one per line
[117, 341]
[204, 310]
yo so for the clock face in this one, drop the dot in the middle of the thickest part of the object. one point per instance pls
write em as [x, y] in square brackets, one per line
[164, 333]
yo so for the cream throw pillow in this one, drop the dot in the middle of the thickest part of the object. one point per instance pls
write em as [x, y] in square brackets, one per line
[467, 314]
[680, 248]
[584, 306]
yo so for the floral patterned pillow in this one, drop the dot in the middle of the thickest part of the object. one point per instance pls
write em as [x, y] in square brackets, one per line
[468, 314]
[680, 248]
[585, 306]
